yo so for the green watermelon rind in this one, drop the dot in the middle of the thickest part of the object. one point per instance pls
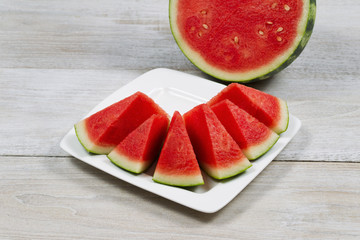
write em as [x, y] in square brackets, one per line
[305, 33]
[127, 163]
[282, 127]
[279, 127]
[256, 149]
[166, 176]
[255, 152]
[230, 172]
[171, 180]
[301, 46]
[82, 136]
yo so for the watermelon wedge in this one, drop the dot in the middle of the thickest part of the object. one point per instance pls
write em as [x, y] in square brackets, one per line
[242, 40]
[252, 136]
[217, 152]
[142, 146]
[268, 109]
[102, 131]
[177, 164]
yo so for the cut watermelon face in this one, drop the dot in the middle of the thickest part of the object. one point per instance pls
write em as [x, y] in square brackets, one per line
[268, 109]
[142, 146]
[102, 131]
[177, 164]
[252, 136]
[217, 152]
[242, 40]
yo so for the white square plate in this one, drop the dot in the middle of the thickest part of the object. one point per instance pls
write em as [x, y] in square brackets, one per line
[174, 90]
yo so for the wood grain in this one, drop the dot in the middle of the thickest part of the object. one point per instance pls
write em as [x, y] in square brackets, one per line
[110, 34]
[88, 35]
[59, 58]
[42, 105]
[64, 198]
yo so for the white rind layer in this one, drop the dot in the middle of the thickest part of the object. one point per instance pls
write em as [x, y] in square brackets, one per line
[196, 58]
[256, 151]
[222, 173]
[178, 180]
[90, 146]
[284, 118]
[129, 164]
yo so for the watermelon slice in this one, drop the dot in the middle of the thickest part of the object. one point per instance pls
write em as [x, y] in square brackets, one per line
[102, 131]
[177, 164]
[253, 137]
[142, 146]
[268, 109]
[242, 40]
[217, 152]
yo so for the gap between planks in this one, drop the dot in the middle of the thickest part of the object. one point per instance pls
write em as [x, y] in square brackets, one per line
[275, 160]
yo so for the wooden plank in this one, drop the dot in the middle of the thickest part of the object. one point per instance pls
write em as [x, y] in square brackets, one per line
[61, 197]
[60, 58]
[114, 34]
[88, 35]
[39, 106]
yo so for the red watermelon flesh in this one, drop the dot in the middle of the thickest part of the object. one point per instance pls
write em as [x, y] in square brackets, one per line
[211, 26]
[253, 137]
[268, 109]
[217, 152]
[142, 146]
[102, 131]
[177, 164]
[241, 40]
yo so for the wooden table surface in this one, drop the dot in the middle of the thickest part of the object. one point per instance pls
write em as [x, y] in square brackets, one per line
[59, 58]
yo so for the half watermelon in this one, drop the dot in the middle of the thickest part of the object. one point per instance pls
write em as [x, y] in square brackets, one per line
[217, 152]
[242, 40]
[268, 109]
[102, 131]
[252, 136]
[177, 164]
[142, 146]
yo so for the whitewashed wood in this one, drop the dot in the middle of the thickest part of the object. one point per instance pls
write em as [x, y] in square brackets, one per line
[87, 34]
[136, 35]
[40, 106]
[59, 58]
[65, 198]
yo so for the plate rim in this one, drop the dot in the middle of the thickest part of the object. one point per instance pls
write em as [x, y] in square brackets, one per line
[209, 201]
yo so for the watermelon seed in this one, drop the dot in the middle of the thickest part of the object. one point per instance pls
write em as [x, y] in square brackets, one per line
[269, 22]
[280, 29]
[279, 39]
[236, 39]
[286, 7]
[261, 32]
[205, 26]
[199, 34]
[274, 5]
[203, 12]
